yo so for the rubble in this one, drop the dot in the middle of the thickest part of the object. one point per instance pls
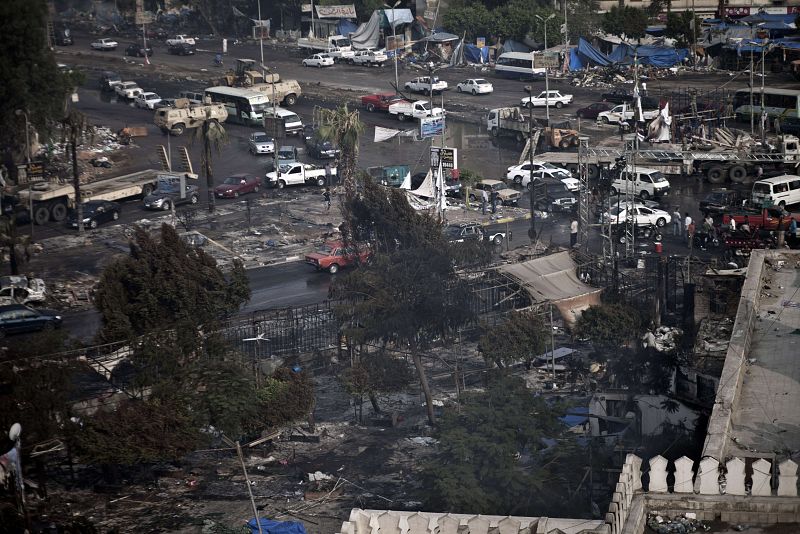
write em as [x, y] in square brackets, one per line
[682, 524]
[664, 339]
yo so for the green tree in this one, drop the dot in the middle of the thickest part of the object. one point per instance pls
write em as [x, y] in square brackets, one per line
[476, 20]
[213, 137]
[165, 283]
[32, 82]
[609, 326]
[583, 19]
[379, 372]
[343, 127]
[13, 243]
[287, 396]
[628, 21]
[680, 26]
[74, 126]
[520, 338]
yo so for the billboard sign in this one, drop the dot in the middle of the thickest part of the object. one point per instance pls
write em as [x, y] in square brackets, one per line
[431, 126]
[445, 156]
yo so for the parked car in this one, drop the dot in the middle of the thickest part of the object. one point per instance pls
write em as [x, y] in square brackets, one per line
[129, 90]
[238, 184]
[380, 101]
[109, 80]
[622, 96]
[181, 39]
[624, 112]
[722, 200]
[472, 231]
[553, 196]
[287, 155]
[147, 100]
[476, 86]
[546, 99]
[165, 103]
[426, 84]
[105, 44]
[95, 212]
[334, 255]
[17, 289]
[181, 49]
[138, 50]
[165, 199]
[643, 215]
[505, 195]
[18, 319]
[318, 60]
[521, 174]
[592, 110]
[194, 97]
[320, 148]
[261, 143]
[452, 186]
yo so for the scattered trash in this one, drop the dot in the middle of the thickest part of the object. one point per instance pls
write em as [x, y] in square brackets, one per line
[426, 441]
[682, 524]
[318, 476]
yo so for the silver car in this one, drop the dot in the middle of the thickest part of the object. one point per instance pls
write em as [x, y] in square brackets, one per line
[261, 143]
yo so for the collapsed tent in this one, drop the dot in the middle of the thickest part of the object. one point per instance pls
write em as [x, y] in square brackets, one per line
[475, 54]
[345, 27]
[656, 56]
[514, 46]
[586, 55]
[368, 34]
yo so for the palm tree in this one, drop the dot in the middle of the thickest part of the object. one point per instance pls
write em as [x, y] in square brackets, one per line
[343, 127]
[214, 137]
[15, 243]
[74, 126]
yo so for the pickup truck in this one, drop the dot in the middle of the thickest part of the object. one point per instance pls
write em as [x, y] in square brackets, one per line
[546, 98]
[164, 199]
[298, 174]
[421, 108]
[623, 112]
[369, 58]
[381, 101]
[105, 44]
[766, 219]
[340, 53]
[424, 84]
[129, 90]
[181, 39]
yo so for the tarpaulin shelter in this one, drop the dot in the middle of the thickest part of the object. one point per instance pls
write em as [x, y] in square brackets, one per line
[442, 37]
[657, 56]
[759, 18]
[368, 34]
[586, 55]
[398, 17]
[475, 54]
[514, 46]
[345, 27]
[269, 526]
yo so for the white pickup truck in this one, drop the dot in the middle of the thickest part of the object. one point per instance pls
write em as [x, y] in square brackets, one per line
[339, 53]
[180, 39]
[624, 112]
[369, 58]
[546, 98]
[424, 84]
[414, 110]
[298, 174]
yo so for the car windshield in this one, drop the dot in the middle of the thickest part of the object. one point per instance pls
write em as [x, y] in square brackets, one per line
[291, 118]
[258, 108]
[453, 231]
[616, 210]
[481, 81]
[425, 106]
[233, 180]
[761, 188]
[152, 96]
[549, 166]
[261, 138]
[325, 249]
[285, 168]
[286, 154]
[657, 177]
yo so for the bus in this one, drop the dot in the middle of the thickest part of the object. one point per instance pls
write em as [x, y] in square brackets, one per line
[244, 106]
[517, 65]
[777, 103]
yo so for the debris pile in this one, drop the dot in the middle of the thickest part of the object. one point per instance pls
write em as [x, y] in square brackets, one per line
[682, 524]
[75, 293]
[664, 339]
[713, 337]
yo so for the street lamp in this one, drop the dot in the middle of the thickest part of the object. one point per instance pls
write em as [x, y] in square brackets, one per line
[22, 113]
[261, 34]
[546, 72]
[531, 187]
[394, 36]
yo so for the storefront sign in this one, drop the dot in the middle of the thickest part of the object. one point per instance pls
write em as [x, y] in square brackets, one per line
[336, 12]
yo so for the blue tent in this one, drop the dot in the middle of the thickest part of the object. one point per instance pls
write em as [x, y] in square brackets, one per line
[473, 54]
[586, 55]
[768, 17]
[657, 56]
[268, 526]
[346, 27]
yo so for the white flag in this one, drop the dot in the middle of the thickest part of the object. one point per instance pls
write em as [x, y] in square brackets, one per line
[384, 134]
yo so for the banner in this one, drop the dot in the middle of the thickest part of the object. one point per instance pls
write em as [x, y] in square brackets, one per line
[431, 126]
[336, 12]
[445, 157]
[384, 134]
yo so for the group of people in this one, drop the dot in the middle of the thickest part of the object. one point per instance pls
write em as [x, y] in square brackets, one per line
[685, 226]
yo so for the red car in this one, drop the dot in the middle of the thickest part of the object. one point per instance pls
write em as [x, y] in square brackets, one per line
[238, 184]
[380, 101]
[334, 254]
[593, 110]
[767, 219]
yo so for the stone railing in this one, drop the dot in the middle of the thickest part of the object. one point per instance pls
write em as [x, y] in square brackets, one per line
[398, 522]
[711, 479]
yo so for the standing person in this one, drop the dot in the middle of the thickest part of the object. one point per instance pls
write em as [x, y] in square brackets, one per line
[326, 197]
[745, 227]
[732, 224]
[793, 228]
[493, 200]
[686, 222]
[690, 233]
[622, 125]
[484, 201]
[573, 233]
[677, 230]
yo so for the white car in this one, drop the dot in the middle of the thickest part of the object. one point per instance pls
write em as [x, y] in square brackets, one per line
[105, 44]
[147, 100]
[521, 174]
[261, 143]
[476, 86]
[426, 84]
[546, 98]
[641, 214]
[129, 90]
[318, 60]
[181, 39]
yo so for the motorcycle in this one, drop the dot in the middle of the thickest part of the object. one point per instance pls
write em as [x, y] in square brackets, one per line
[704, 240]
[642, 232]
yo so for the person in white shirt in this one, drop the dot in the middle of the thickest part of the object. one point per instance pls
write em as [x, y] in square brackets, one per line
[573, 233]
[686, 222]
[732, 224]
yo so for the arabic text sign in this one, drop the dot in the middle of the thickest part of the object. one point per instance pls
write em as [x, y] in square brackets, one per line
[336, 12]
[431, 126]
[447, 157]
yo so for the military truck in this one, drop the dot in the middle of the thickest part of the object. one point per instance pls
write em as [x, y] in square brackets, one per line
[176, 120]
[248, 74]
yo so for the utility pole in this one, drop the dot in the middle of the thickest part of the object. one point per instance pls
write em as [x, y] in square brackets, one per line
[396, 50]
[566, 38]
[261, 34]
[763, 110]
[546, 71]
[531, 187]
[24, 114]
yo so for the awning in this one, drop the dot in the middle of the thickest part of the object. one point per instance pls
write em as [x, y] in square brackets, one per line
[554, 279]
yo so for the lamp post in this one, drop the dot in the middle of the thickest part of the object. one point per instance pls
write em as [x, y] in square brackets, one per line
[394, 36]
[22, 113]
[546, 71]
[531, 187]
[261, 35]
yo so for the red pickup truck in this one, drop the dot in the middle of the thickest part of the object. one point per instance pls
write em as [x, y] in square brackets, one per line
[767, 219]
[380, 101]
[334, 254]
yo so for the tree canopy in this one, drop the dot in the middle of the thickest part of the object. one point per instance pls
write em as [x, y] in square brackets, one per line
[628, 21]
[609, 326]
[520, 338]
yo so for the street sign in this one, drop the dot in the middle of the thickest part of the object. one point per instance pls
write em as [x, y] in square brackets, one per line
[172, 182]
[35, 171]
[431, 126]
[480, 42]
[447, 157]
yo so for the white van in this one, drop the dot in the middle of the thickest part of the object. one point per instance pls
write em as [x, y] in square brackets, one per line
[776, 191]
[645, 182]
[289, 121]
[194, 97]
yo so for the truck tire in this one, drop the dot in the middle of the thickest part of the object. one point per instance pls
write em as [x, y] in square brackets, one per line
[41, 214]
[518, 179]
[564, 143]
[737, 174]
[58, 211]
[177, 129]
[371, 107]
[320, 181]
[333, 268]
[281, 184]
[593, 172]
[613, 191]
[290, 99]
[147, 189]
[716, 174]
[494, 132]
[604, 120]
[573, 169]
[401, 117]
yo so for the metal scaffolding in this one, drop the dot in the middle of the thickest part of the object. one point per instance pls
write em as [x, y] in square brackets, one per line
[583, 195]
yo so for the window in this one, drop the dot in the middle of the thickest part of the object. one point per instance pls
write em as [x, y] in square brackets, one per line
[780, 188]
[794, 185]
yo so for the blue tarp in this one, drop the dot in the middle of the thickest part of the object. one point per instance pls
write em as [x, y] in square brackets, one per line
[589, 55]
[473, 54]
[346, 27]
[268, 526]
[768, 17]
[575, 62]
[657, 56]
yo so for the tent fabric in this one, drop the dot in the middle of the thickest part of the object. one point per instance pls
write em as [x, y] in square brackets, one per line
[549, 278]
[368, 34]
[441, 37]
[474, 54]
[589, 55]
[514, 46]
[268, 526]
[657, 56]
[768, 17]
[398, 17]
[575, 62]
[345, 27]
